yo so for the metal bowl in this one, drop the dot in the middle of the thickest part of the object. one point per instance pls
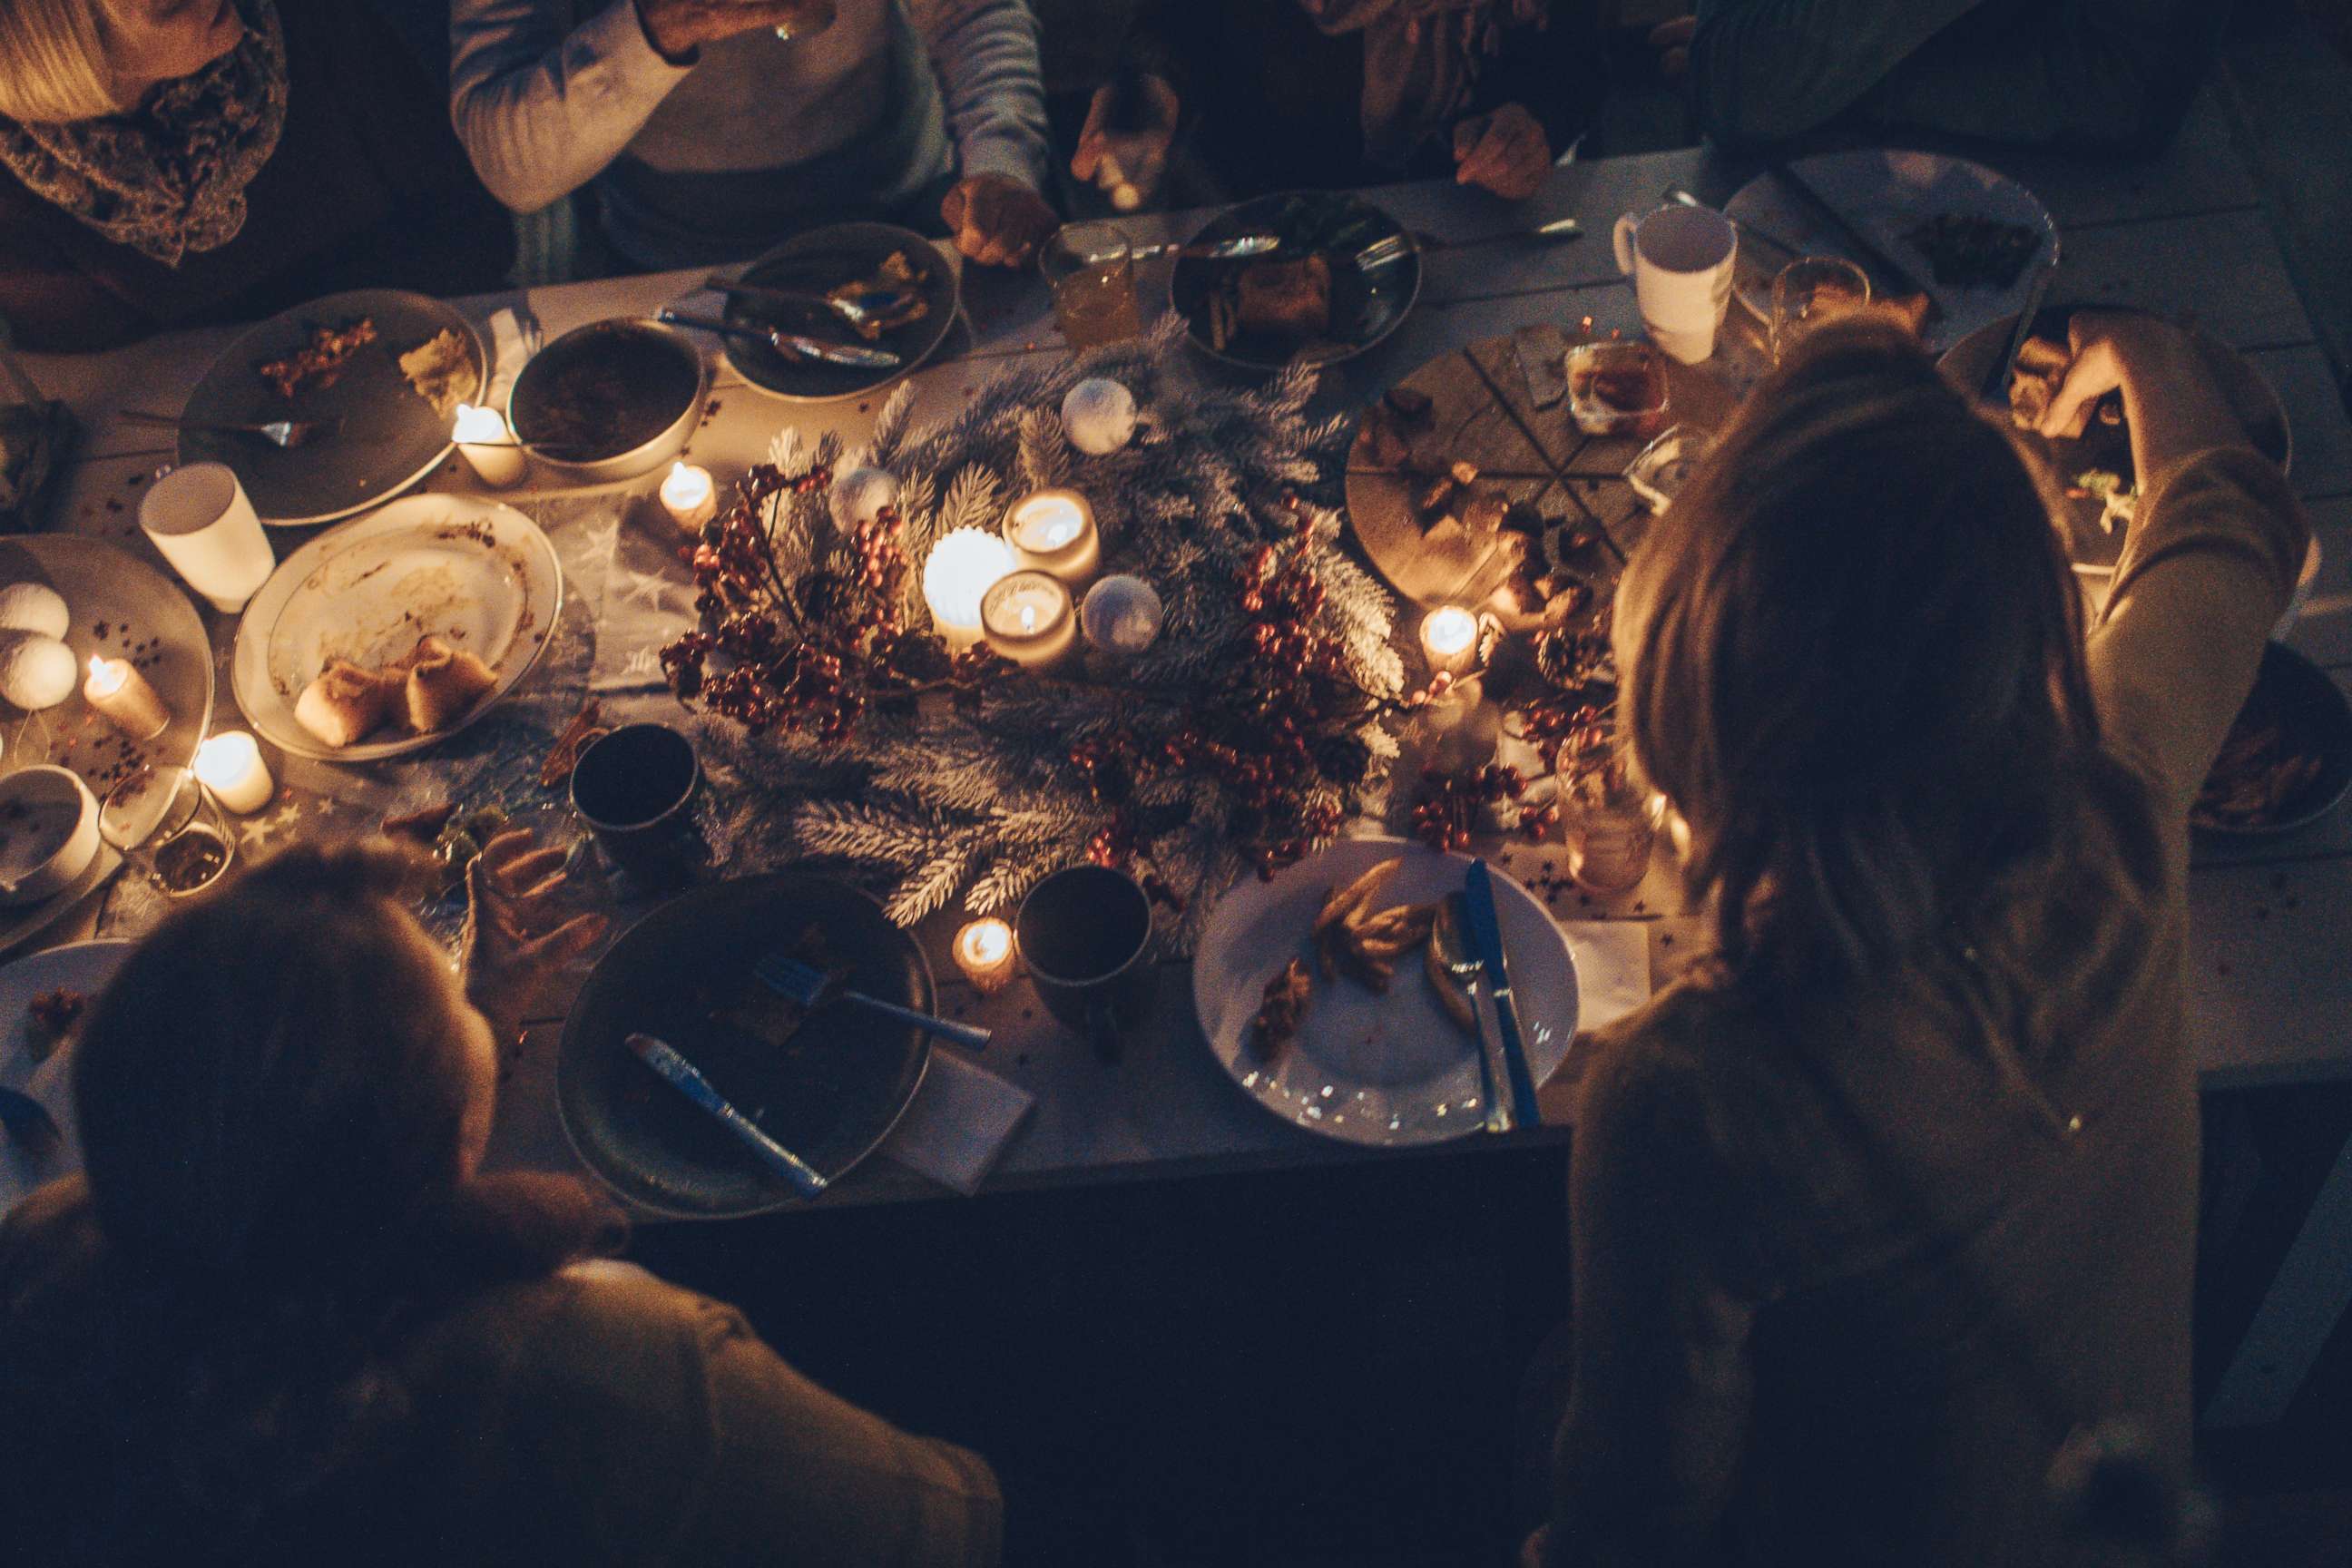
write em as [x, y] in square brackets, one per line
[610, 400]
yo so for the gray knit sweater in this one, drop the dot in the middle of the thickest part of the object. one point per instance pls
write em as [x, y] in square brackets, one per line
[714, 158]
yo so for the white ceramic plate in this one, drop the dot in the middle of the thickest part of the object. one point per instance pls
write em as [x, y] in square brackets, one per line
[83, 967]
[1389, 1069]
[122, 609]
[1886, 194]
[480, 575]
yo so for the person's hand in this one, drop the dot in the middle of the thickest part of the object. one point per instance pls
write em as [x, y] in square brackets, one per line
[1671, 42]
[513, 941]
[1128, 163]
[2170, 401]
[677, 28]
[1504, 152]
[1531, 1550]
[997, 222]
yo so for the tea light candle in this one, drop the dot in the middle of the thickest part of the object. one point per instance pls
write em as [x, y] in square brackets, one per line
[123, 696]
[481, 434]
[1029, 619]
[1054, 530]
[962, 569]
[983, 951]
[230, 765]
[1449, 637]
[689, 496]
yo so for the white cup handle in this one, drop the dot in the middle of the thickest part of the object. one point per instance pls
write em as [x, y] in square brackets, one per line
[1624, 240]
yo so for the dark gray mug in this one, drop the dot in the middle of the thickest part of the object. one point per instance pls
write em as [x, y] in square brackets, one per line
[634, 787]
[1084, 933]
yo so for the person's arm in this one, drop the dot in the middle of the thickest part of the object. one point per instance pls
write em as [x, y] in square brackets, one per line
[2215, 548]
[798, 1474]
[986, 52]
[542, 111]
[1658, 1414]
[1763, 70]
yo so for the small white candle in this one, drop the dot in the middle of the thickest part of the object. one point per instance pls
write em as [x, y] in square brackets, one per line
[230, 765]
[961, 569]
[1029, 619]
[1449, 637]
[983, 951]
[1054, 530]
[689, 496]
[481, 434]
[123, 696]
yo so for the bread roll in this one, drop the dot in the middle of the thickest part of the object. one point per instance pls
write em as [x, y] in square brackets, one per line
[442, 683]
[346, 703]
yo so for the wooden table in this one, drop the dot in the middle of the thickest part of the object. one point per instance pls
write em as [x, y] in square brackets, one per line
[2268, 991]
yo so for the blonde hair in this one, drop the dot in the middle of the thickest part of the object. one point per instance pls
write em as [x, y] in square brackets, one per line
[53, 61]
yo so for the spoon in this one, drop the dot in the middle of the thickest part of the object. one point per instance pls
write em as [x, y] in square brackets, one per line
[1233, 249]
[1451, 935]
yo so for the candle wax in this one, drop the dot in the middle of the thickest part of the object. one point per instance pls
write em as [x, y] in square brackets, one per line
[123, 696]
[230, 765]
[983, 951]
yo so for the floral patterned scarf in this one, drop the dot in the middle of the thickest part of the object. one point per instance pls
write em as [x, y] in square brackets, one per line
[169, 176]
[1421, 59]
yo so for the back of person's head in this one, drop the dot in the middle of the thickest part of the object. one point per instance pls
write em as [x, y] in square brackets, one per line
[1852, 658]
[53, 61]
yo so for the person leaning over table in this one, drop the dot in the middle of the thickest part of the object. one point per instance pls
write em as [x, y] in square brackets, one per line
[2088, 75]
[1322, 94]
[284, 1318]
[707, 138]
[1898, 1191]
[164, 162]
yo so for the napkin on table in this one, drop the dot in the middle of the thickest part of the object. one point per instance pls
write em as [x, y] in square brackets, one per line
[960, 1121]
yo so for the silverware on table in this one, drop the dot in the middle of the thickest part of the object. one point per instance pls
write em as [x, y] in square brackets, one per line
[1866, 251]
[1463, 971]
[1234, 249]
[286, 433]
[791, 345]
[682, 1075]
[1996, 385]
[812, 987]
[1681, 197]
[1486, 932]
[873, 307]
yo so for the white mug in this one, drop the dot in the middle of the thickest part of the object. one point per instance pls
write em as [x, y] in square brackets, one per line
[198, 517]
[1680, 260]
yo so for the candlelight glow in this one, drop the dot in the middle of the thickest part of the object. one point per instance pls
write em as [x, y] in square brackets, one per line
[478, 424]
[1054, 530]
[983, 951]
[962, 568]
[230, 765]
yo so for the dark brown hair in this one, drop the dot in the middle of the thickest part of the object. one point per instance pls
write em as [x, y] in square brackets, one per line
[271, 1095]
[1853, 652]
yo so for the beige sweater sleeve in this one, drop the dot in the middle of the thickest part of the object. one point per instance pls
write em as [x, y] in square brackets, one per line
[2213, 557]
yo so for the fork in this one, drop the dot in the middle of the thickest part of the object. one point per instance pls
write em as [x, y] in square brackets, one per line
[287, 434]
[791, 345]
[812, 987]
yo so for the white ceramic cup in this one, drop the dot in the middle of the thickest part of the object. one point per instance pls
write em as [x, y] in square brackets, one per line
[1680, 259]
[198, 516]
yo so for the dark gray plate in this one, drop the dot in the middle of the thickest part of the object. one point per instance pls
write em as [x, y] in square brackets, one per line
[1367, 303]
[830, 1093]
[825, 259]
[391, 437]
[2310, 711]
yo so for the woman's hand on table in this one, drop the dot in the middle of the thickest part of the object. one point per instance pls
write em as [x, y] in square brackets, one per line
[1505, 153]
[514, 940]
[675, 28]
[2170, 403]
[997, 221]
[1133, 157]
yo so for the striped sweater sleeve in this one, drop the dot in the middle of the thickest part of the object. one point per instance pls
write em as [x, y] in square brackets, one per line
[986, 52]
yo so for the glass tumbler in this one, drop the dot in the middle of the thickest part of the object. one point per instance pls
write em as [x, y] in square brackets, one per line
[165, 825]
[1092, 274]
[1810, 290]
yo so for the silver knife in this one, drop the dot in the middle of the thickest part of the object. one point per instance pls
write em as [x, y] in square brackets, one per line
[790, 345]
[1996, 387]
[1486, 931]
[682, 1073]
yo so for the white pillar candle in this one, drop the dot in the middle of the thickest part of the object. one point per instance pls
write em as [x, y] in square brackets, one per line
[481, 434]
[199, 519]
[961, 569]
[230, 765]
[983, 951]
[1028, 618]
[689, 496]
[1449, 638]
[1054, 530]
[124, 699]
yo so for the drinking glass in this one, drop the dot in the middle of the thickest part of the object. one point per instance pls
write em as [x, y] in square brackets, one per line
[1810, 290]
[165, 824]
[1092, 274]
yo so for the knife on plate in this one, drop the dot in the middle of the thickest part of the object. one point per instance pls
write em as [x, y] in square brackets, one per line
[683, 1076]
[1996, 387]
[1868, 253]
[1486, 931]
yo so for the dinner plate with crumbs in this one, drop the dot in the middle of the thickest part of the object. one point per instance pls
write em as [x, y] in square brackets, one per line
[478, 577]
[44, 998]
[1972, 235]
[384, 368]
[2287, 760]
[1388, 1068]
[1344, 276]
[857, 262]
